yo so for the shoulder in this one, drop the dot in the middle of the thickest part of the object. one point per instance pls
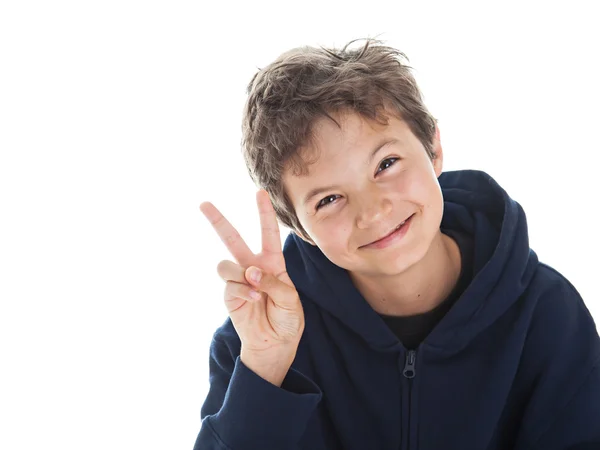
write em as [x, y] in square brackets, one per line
[560, 320]
[557, 298]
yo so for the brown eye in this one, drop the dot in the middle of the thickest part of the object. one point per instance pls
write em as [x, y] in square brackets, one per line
[386, 163]
[327, 200]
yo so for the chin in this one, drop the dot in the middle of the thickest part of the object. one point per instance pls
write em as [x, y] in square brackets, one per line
[401, 265]
[399, 260]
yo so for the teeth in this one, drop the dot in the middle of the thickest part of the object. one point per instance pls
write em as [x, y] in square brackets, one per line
[400, 224]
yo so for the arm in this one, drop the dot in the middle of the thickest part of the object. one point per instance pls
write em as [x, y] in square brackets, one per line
[255, 399]
[244, 411]
[577, 427]
[563, 411]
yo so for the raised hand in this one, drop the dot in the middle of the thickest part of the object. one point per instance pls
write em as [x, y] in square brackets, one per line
[266, 313]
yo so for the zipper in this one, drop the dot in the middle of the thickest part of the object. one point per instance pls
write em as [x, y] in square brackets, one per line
[409, 367]
[409, 372]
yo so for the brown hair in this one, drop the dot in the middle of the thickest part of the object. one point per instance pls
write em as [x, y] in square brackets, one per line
[287, 97]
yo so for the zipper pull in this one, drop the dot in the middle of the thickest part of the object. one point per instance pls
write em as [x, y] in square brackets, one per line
[409, 367]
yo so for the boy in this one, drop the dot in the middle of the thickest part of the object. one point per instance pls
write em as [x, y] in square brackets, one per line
[406, 310]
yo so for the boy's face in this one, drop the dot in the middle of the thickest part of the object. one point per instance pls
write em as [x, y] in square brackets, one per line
[367, 195]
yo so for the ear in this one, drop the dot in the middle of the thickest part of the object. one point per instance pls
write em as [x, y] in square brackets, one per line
[438, 161]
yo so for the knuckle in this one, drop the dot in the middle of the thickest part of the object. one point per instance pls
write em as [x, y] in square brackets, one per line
[232, 239]
[231, 289]
[218, 220]
[227, 292]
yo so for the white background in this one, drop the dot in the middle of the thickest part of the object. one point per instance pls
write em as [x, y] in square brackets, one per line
[118, 118]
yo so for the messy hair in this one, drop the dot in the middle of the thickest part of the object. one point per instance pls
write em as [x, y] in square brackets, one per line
[303, 85]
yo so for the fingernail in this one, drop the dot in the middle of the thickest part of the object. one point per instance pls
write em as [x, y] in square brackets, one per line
[255, 295]
[255, 275]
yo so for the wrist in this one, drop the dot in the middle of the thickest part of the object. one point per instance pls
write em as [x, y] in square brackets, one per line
[269, 367]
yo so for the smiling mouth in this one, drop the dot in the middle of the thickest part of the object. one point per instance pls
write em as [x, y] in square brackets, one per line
[391, 232]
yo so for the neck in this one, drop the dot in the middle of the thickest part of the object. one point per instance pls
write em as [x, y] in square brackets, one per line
[418, 289]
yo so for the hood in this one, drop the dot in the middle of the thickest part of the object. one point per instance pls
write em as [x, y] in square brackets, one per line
[474, 203]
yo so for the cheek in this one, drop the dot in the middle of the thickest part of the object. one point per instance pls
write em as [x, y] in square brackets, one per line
[406, 184]
[429, 195]
[332, 234]
[422, 186]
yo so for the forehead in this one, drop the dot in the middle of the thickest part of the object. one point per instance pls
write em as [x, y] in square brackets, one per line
[330, 138]
[347, 132]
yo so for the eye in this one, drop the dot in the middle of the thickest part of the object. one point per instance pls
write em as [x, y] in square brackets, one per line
[327, 200]
[386, 163]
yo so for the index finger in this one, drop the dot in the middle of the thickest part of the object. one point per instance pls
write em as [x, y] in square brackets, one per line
[228, 234]
[271, 239]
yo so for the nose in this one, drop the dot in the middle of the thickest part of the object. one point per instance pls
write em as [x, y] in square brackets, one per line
[372, 209]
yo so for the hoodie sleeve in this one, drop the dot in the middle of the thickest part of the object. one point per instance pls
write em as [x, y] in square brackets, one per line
[577, 427]
[563, 411]
[244, 411]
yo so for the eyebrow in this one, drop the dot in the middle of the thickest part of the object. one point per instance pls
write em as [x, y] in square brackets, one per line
[370, 157]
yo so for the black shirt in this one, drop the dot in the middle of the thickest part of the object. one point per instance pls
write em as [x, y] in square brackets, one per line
[412, 330]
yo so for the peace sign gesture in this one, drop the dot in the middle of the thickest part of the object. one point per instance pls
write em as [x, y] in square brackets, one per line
[265, 311]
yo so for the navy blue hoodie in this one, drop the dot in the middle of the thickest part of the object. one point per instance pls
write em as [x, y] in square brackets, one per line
[514, 364]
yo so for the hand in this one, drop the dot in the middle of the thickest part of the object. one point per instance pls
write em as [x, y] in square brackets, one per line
[270, 325]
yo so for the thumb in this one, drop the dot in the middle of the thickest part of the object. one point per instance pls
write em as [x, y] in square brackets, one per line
[282, 294]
